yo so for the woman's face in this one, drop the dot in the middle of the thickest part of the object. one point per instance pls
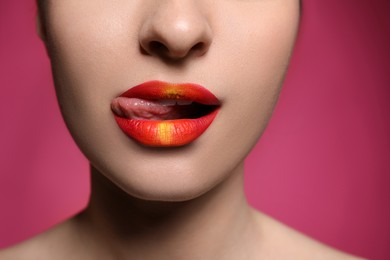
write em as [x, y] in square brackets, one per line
[236, 49]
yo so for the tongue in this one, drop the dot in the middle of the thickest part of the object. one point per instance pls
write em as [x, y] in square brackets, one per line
[134, 108]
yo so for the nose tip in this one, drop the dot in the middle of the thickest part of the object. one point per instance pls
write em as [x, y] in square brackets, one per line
[175, 33]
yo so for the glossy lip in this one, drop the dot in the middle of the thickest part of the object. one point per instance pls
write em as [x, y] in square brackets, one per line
[168, 133]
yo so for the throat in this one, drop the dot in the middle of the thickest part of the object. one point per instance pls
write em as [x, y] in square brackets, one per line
[212, 222]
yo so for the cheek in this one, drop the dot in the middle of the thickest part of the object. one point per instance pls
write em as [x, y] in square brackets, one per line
[256, 71]
[88, 46]
[252, 69]
[84, 47]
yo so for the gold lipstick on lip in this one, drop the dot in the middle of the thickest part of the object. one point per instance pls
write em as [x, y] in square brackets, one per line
[147, 124]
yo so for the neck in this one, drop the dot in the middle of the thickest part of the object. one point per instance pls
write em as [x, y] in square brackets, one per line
[207, 227]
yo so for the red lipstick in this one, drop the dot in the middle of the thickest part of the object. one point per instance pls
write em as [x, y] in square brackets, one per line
[162, 114]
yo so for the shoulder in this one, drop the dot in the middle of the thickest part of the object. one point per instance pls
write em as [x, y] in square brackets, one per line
[285, 243]
[41, 246]
[29, 249]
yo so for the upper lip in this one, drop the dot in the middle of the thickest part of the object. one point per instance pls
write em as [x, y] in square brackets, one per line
[159, 90]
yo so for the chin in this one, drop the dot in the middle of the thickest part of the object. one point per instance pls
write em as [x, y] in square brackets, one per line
[165, 183]
[168, 194]
[169, 191]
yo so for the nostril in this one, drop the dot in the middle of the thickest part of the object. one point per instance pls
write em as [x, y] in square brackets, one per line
[158, 47]
[199, 48]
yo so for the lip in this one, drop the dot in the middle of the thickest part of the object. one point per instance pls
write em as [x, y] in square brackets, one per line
[168, 133]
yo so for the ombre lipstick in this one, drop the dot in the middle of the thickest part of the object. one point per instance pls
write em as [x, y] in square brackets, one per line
[162, 114]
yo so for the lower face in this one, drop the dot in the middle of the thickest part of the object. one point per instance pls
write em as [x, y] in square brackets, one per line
[96, 57]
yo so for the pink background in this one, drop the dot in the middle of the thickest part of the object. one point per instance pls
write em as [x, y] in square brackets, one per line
[322, 167]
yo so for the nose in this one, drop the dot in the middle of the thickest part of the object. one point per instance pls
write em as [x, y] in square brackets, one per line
[175, 29]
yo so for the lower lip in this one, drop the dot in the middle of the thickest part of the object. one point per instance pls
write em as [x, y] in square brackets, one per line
[165, 133]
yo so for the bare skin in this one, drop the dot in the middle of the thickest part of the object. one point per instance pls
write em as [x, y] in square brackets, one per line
[185, 202]
[218, 225]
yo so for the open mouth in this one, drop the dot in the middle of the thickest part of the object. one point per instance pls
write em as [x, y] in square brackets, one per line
[168, 109]
[156, 113]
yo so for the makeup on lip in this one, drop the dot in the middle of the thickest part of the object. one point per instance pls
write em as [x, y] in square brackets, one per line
[162, 114]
